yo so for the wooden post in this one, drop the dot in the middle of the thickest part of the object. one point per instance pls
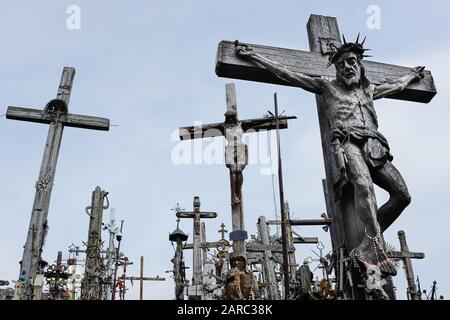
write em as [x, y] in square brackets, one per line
[91, 288]
[141, 281]
[290, 241]
[204, 248]
[56, 115]
[284, 230]
[269, 268]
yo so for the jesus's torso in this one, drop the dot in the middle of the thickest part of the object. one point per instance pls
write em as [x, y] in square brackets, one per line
[350, 110]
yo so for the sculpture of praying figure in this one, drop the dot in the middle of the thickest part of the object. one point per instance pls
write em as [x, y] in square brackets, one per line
[361, 153]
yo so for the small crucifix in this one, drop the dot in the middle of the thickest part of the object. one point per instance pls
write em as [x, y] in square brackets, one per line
[236, 156]
[56, 115]
[196, 215]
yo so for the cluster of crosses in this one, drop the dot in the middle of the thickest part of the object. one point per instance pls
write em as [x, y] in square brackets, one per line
[100, 280]
[275, 255]
[347, 230]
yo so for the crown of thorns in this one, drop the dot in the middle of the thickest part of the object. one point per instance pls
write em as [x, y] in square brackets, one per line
[355, 47]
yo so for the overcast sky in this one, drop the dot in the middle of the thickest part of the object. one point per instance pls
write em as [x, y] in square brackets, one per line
[148, 66]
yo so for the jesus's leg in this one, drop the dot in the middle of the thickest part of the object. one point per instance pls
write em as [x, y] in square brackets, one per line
[370, 251]
[388, 178]
[364, 196]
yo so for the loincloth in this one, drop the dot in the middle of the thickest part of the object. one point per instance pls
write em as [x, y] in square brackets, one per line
[374, 148]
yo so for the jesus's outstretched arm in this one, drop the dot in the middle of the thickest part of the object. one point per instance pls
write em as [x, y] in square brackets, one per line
[311, 84]
[387, 89]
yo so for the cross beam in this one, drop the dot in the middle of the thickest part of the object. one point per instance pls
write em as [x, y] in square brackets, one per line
[306, 240]
[269, 247]
[303, 222]
[217, 129]
[68, 120]
[230, 65]
[56, 115]
[203, 245]
[141, 279]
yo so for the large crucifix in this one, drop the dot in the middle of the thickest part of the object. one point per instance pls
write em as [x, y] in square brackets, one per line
[236, 156]
[56, 115]
[356, 155]
[196, 215]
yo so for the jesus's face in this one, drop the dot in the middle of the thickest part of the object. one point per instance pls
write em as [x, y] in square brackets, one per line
[348, 69]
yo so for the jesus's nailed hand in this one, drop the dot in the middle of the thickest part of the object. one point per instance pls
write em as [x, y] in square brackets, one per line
[419, 72]
[243, 50]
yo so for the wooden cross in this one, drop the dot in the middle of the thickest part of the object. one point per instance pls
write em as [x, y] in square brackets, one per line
[141, 279]
[91, 288]
[236, 156]
[405, 255]
[56, 115]
[323, 34]
[269, 267]
[196, 215]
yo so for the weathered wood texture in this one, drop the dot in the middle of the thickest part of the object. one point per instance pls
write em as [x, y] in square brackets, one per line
[38, 223]
[196, 215]
[218, 129]
[38, 226]
[326, 27]
[303, 222]
[306, 240]
[203, 245]
[229, 65]
[271, 247]
[68, 120]
[405, 255]
[157, 278]
[269, 267]
[91, 288]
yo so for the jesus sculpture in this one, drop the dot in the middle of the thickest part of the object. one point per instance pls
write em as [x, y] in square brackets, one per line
[361, 154]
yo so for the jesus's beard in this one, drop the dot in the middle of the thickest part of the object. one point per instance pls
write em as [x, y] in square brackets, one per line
[350, 82]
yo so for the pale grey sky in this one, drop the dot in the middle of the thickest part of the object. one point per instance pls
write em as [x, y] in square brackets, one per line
[149, 67]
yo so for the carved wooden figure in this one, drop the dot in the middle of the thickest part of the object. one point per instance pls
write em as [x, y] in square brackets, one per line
[355, 153]
[236, 156]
